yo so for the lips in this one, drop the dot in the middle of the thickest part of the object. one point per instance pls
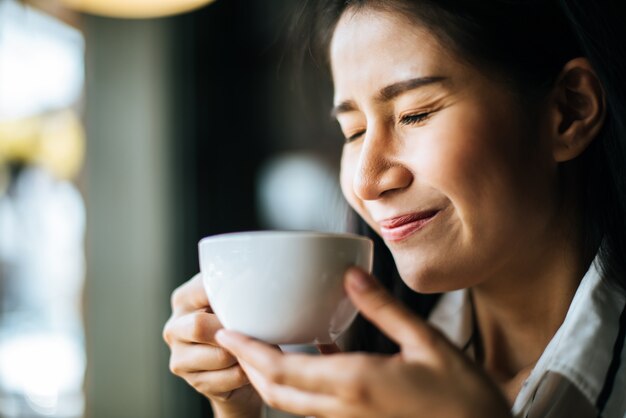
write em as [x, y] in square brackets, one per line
[401, 227]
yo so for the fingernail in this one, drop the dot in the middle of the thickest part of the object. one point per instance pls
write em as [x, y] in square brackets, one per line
[359, 280]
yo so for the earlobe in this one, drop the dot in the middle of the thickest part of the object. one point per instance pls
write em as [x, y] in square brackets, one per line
[579, 109]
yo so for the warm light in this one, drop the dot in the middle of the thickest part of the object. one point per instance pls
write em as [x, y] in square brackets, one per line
[55, 141]
[135, 8]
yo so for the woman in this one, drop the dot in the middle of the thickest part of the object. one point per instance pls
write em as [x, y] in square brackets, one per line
[485, 146]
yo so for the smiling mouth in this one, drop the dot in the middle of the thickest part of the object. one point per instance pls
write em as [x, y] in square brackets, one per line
[401, 227]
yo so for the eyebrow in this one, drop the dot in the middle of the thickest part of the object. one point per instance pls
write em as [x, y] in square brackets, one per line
[389, 92]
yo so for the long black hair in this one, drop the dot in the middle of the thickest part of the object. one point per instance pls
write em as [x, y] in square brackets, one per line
[525, 43]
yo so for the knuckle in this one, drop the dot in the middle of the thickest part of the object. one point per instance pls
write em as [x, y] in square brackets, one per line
[240, 376]
[199, 330]
[167, 333]
[358, 391]
[276, 376]
[221, 397]
[177, 297]
[175, 367]
[223, 358]
[205, 388]
[202, 385]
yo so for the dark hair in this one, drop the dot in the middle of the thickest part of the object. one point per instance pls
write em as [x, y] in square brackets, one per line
[526, 43]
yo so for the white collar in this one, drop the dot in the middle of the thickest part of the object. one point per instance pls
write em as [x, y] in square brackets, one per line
[582, 348]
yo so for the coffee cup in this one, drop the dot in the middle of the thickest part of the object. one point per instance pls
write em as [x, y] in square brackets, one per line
[282, 287]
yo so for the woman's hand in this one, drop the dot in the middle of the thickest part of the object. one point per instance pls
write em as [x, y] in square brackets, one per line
[197, 358]
[428, 378]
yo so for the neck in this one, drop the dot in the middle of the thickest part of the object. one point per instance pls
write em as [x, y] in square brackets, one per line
[520, 308]
[518, 313]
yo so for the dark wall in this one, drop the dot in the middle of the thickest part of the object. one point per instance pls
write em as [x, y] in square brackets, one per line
[241, 102]
[247, 107]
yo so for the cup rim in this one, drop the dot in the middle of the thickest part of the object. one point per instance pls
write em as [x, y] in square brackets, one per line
[275, 234]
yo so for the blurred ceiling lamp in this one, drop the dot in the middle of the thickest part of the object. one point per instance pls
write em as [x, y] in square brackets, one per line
[135, 9]
[54, 141]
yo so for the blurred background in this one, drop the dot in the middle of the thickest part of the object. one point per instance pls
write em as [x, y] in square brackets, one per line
[130, 129]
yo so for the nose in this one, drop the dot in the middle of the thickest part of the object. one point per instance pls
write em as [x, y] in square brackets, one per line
[379, 170]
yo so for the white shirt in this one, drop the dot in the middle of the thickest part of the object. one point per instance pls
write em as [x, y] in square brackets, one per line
[582, 372]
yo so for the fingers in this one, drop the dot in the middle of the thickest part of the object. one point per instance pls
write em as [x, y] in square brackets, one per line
[190, 296]
[318, 374]
[218, 383]
[291, 399]
[377, 305]
[255, 353]
[193, 358]
[196, 327]
[211, 370]
[195, 355]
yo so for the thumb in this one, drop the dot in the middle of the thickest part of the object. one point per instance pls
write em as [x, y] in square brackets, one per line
[388, 314]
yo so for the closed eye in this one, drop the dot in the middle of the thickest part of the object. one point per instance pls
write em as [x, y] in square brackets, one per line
[355, 136]
[407, 120]
[414, 119]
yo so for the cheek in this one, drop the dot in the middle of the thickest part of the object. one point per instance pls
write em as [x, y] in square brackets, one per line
[483, 166]
[470, 159]
[450, 162]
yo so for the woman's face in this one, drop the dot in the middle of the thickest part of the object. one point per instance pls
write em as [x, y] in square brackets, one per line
[441, 160]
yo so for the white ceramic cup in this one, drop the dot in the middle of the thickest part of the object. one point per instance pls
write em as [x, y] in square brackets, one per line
[282, 287]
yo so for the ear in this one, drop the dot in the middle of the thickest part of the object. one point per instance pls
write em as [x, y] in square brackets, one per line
[578, 109]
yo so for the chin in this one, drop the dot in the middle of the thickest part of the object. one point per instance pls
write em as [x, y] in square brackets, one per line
[423, 279]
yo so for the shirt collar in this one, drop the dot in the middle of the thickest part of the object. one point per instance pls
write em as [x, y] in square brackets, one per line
[453, 317]
[581, 349]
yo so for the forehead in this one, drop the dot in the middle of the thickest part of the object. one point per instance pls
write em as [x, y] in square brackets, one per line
[370, 47]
